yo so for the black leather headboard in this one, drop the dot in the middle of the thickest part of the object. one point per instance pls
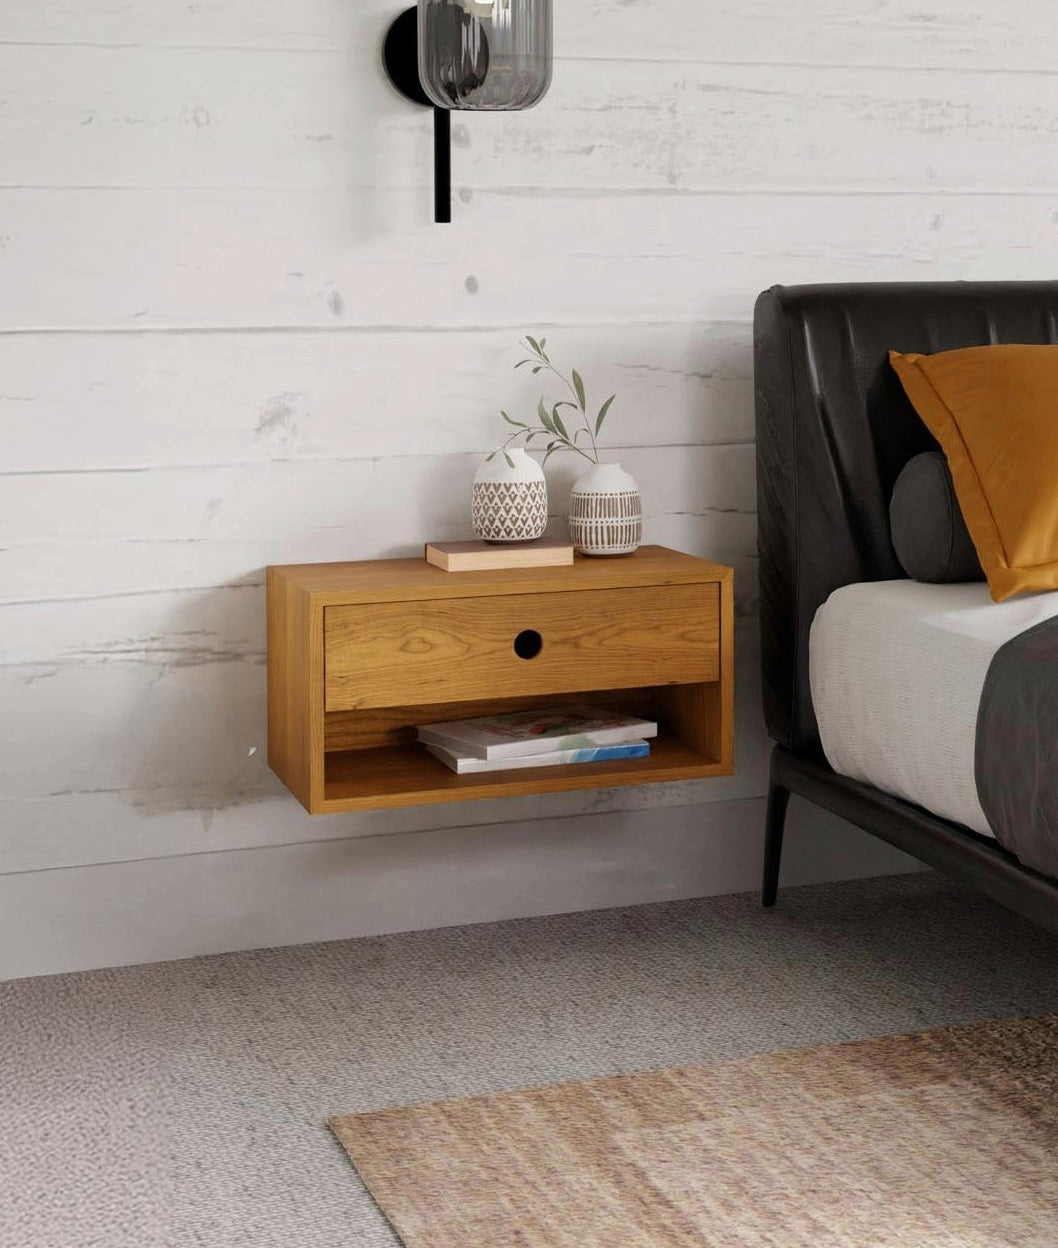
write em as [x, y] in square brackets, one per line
[834, 428]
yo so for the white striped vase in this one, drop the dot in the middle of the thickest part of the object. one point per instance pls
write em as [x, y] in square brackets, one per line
[605, 512]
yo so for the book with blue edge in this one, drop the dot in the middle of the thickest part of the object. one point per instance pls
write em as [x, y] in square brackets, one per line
[534, 734]
[463, 765]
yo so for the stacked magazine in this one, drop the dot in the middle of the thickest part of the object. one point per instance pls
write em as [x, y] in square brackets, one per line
[539, 738]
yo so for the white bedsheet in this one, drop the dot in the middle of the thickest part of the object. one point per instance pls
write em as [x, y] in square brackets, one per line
[897, 670]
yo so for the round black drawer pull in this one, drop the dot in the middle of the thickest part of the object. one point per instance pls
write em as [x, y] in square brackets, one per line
[528, 644]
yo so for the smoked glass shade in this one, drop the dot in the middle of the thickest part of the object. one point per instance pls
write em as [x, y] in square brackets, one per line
[486, 54]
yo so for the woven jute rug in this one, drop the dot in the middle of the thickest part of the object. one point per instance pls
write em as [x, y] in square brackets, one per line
[948, 1139]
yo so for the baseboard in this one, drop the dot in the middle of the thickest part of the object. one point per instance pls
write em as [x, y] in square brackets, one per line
[157, 909]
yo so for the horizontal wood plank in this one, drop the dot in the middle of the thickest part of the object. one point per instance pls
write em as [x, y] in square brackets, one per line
[225, 23]
[93, 534]
[73, 401]
[330, 264]
[973, 34]
[216, 118]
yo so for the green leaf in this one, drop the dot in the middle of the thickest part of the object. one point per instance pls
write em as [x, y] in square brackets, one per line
[545, 417]
[539, 368]
[516, 423]
[510, 462]
[578, 386]
[534, 344]
[566, 403]
[543, 343]
[522, 363]
[602, 413]
[560, 428]
[489, 458]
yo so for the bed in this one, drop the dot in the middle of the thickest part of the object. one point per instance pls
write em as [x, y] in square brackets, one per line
[872, 683]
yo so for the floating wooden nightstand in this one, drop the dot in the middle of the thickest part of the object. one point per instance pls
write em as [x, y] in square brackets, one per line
[359, 653]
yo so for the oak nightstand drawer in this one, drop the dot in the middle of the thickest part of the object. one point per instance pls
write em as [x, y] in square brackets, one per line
[440, 650]
[360, 655]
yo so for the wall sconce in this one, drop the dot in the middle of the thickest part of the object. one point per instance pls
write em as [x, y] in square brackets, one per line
[468, 54]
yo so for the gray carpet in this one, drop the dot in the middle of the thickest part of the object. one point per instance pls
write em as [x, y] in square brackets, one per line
[184, 1103]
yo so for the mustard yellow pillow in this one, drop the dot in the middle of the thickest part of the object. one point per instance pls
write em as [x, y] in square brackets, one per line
[994, 411]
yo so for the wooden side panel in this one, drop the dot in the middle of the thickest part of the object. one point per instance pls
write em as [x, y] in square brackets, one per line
[720, 697]
[390, 654]
[684, 711]
[702, 716]
[295, 679]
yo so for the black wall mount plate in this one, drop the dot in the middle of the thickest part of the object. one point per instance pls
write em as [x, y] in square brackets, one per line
[400, 55]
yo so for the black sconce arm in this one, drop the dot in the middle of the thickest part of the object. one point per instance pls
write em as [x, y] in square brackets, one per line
[442, 165]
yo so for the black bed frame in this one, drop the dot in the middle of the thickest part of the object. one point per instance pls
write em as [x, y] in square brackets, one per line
[834, 428]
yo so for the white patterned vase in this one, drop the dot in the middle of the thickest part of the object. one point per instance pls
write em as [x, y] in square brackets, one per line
[509, 499]
[605, 512]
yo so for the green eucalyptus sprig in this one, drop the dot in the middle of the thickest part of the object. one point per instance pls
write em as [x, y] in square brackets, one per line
[552, 425]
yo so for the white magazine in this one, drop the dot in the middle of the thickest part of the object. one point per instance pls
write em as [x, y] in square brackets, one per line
[518, 734]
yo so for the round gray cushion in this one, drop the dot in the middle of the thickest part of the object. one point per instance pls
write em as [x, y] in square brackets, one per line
[929, 534]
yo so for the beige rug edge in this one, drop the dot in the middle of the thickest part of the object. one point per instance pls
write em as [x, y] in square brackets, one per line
[699, 1155]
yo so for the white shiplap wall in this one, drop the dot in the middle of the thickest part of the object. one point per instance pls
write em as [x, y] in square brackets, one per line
[231, 336]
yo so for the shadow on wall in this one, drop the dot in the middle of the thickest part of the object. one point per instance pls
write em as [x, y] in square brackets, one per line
[197, 732]
[191, 730]
[383, 122]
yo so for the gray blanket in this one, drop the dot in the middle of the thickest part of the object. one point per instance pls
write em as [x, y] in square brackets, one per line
[1016, 755]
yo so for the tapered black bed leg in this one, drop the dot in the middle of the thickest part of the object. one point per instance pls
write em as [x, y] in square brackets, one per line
[778, 800]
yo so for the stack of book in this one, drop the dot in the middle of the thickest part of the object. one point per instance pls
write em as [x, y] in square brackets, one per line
[541, 738]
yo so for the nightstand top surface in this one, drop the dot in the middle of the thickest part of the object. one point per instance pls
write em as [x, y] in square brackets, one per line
[395, 580]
